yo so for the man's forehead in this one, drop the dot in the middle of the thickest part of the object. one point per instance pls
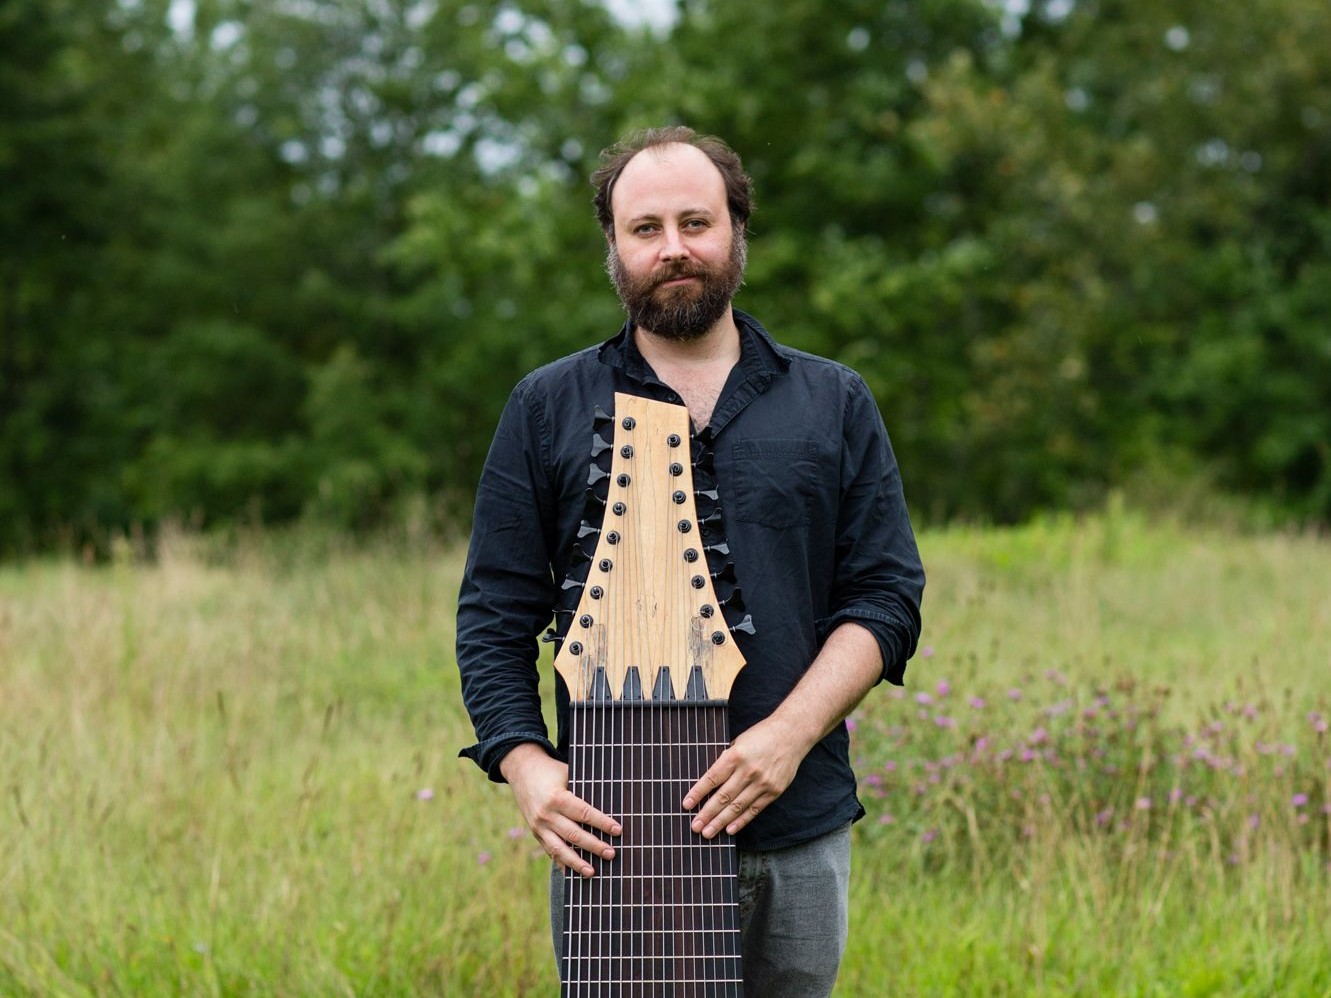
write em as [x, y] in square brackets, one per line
[666, 172]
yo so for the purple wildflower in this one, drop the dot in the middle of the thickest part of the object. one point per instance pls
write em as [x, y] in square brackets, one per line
[425, 793]
[1299, 800]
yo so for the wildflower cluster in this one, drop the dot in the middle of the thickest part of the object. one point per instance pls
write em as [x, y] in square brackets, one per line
[972, 775]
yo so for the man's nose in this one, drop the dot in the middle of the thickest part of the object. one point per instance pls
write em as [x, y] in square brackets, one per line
[673, 247]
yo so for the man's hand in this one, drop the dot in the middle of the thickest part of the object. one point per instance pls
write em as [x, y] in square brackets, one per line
[555, 816]
[762, 761]
[754, 771]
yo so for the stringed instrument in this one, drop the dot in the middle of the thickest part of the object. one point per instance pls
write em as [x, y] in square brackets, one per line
[649, 661]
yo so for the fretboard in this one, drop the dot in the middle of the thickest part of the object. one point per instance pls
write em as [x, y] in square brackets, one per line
[661, 918]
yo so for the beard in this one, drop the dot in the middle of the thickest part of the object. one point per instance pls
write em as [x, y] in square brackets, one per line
[686, 312]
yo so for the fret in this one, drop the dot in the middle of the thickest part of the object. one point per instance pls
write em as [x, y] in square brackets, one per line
[654, 746]
[640, 933]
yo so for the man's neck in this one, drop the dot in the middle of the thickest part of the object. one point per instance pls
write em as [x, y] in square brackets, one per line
[718, 347]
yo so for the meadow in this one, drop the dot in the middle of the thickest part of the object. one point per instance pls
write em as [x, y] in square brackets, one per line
[230, 769]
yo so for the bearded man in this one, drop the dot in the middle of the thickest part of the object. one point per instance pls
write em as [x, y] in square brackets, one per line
[815, 523]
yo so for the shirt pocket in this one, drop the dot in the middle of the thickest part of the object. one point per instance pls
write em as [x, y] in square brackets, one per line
[775, 481]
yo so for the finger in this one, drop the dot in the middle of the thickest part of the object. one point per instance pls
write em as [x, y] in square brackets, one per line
[707, 783]
[579, 837]
[566, 857]
[578, 810]
[734, 816]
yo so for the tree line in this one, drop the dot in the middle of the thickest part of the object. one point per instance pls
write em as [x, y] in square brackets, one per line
[281, 259]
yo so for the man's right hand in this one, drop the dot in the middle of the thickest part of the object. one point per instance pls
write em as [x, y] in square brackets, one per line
[558, 819]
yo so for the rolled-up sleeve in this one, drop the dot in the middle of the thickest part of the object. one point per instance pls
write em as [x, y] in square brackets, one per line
[507, 592]
[879, 579]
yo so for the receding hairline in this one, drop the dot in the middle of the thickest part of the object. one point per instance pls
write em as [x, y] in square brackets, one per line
[616, 158]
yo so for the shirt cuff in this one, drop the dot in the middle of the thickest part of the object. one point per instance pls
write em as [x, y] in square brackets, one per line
[489, 753]
[882, 627]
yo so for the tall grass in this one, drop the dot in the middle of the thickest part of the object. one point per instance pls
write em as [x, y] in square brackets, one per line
[233, 772]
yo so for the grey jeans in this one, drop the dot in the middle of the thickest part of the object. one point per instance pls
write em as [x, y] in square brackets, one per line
[794, 916]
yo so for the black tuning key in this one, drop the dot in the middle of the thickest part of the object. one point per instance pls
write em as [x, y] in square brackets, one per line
[735, 601]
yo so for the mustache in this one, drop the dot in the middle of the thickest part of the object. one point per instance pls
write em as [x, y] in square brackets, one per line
[677, 271]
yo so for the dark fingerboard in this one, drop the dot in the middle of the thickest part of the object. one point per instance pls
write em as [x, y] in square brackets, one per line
[661, 918]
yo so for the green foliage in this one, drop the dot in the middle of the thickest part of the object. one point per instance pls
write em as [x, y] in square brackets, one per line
[287, 260]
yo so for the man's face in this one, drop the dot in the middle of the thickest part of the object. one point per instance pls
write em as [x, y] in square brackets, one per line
[675, 261]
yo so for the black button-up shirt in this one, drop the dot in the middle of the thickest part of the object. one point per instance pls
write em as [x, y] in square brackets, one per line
[813, 515]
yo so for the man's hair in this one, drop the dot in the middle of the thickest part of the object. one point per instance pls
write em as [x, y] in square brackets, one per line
[739, 188]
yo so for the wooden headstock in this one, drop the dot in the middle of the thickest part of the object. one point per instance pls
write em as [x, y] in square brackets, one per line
[648, 625]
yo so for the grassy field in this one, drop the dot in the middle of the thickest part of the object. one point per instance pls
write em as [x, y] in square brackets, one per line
[235, 773]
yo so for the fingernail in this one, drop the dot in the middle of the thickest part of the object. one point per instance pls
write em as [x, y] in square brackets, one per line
[688, 803]
[615, 829]
[696, 826]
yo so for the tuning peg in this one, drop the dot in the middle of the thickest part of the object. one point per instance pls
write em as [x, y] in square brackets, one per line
[711, 494]
[601, 418]
[586, 530]
[705, 462]
[735, 601]
[711, 519]
[726, 574]
[579, 556]
[550, 637]
[599, 445]
[721, 547]
[745, 625]
[571, 583]
[596, 475]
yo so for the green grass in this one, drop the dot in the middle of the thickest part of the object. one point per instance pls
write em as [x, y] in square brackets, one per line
[214, 769]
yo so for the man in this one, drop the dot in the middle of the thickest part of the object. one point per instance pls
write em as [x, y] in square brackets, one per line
[814, 520]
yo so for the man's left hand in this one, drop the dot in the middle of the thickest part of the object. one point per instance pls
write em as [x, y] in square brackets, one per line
[749, 775]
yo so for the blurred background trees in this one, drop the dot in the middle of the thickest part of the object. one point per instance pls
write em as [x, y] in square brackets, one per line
[282, 259]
